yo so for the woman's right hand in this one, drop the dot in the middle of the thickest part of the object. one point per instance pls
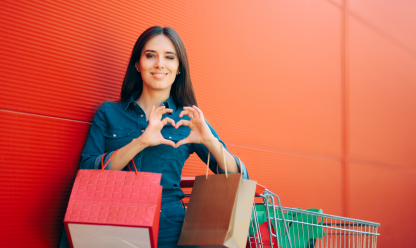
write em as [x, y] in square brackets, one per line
[152, 136]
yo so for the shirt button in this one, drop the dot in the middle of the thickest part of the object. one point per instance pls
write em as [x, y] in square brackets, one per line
[114, 135]
[141, 115]
[142, 131]
[170, 137]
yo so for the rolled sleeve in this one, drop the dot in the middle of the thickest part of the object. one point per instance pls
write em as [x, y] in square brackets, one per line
[241, 168]
[97, 164]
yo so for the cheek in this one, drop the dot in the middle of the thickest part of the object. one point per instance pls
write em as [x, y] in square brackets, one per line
[144, 65]
[173, 67]
[143, 75]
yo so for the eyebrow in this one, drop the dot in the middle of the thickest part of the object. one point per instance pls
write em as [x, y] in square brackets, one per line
[153, 51]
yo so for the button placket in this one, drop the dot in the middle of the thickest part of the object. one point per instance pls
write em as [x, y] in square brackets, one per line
[141, 120]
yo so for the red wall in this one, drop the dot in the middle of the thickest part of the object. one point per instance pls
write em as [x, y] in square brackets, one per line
[317, 97]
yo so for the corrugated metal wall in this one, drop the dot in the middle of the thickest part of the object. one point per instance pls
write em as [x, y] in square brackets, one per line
[316, 96]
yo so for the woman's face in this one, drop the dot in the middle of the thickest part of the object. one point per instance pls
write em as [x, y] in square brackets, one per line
[158, 64]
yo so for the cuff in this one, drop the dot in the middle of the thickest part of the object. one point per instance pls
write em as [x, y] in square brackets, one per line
[97, 164]
[241, 167]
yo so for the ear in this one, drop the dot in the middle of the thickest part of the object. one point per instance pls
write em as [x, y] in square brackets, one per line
[137, 65]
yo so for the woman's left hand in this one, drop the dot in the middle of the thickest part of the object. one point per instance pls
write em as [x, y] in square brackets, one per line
[200, 132]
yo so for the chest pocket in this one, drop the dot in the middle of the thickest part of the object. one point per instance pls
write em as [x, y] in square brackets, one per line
[117, 138]
[167, 152]
[171, 133]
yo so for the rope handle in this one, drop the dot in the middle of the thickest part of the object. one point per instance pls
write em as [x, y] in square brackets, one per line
[112, 155]
[225, 163]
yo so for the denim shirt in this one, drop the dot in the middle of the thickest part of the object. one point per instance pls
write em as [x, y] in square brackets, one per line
[117, 124]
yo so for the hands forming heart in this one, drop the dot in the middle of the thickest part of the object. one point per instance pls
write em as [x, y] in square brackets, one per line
[200, 132]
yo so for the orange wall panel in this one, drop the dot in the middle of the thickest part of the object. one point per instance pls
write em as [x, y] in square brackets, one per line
[386, 196]
[394, 19]
[382, 99]
[39, 158]
[299, 181]
[271, 74]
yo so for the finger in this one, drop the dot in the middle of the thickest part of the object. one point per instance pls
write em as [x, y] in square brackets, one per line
[183, 123]
[182, 142]
[152, 111]
[167, 120]
[184, 112]
[159, 109]
[199, 111]
[168, 142]
[164, 111]
[191, 112]
[192, 109]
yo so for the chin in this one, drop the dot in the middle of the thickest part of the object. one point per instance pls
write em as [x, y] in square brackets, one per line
[161, 87]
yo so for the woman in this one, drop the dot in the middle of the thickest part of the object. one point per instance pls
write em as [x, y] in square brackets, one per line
[157, 124]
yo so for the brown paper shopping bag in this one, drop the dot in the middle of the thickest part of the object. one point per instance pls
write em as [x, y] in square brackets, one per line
[219, 211]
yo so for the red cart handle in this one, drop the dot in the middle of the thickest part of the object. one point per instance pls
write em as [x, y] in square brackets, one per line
[260, 189]
[187, 182]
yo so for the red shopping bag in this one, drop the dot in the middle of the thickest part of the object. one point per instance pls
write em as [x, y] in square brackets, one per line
[114, 209]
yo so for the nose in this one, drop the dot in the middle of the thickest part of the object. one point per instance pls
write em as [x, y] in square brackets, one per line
[159, 63]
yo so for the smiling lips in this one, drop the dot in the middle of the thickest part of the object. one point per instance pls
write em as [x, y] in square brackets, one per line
[159, 75]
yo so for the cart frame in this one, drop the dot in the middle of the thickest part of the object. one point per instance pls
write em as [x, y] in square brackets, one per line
[303, 228]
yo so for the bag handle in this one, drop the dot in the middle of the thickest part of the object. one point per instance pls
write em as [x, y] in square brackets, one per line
[225, 163]
[112, 155]
[241, 172]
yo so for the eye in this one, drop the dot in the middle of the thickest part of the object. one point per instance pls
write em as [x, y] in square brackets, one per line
[150, 55]
[170, 57]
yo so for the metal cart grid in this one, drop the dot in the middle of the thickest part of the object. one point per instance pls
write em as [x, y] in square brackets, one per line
[296, 228]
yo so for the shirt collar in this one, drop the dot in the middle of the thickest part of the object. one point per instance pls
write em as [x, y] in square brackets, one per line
[126, 104]
[170, 103]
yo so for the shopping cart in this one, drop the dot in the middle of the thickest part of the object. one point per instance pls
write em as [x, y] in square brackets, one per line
[272, 225]
[295, 228]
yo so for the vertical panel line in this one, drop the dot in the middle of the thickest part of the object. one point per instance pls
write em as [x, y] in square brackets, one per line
[345, 109]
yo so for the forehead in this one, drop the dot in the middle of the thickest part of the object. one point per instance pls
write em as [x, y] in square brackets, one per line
[160, 43]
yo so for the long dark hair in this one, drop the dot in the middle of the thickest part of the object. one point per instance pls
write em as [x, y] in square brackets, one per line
[182, 90]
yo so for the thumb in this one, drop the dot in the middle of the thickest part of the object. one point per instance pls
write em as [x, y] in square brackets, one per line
[182, 142]
[168, 142]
